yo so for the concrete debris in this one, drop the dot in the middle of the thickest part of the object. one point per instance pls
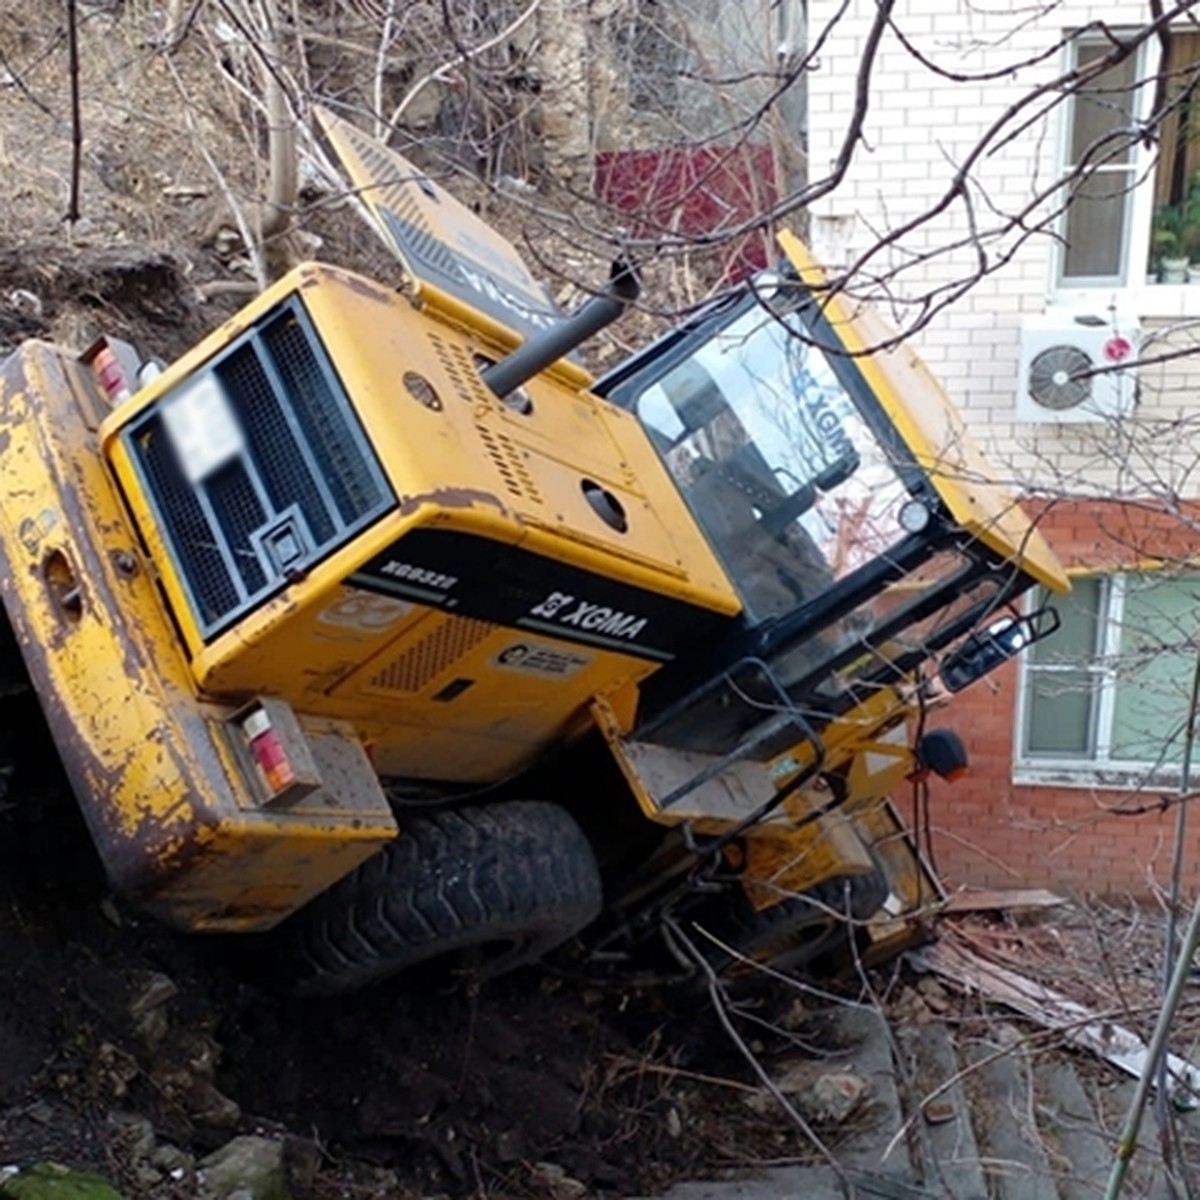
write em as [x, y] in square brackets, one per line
[249, 1166]
[838, 1095]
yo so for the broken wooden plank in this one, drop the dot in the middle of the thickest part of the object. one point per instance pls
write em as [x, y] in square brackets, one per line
[1078, 1024]
[999, 901]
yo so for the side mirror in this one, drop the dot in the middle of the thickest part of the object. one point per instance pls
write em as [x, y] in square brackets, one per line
[837, 472]
[804, 497]
[985, 650]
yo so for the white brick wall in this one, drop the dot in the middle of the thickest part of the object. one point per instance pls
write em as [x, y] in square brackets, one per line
[919, 128]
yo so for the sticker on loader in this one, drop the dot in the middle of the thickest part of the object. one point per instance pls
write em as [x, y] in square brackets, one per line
[533, 658]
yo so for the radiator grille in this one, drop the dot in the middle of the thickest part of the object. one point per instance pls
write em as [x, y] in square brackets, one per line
[295, 479]
[431, 656]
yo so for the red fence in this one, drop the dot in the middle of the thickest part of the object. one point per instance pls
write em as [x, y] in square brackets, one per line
[695, 191]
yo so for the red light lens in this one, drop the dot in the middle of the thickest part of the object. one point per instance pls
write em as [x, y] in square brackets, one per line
[268, 751]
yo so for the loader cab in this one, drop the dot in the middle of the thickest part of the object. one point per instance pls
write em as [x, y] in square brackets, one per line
[832, 519]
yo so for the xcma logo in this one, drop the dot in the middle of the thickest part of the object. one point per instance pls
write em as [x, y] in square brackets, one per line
[565, 609]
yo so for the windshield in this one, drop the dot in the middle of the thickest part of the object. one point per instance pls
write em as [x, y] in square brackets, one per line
[791, 486]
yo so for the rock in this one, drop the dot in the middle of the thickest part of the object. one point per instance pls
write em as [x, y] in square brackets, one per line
[203, 1054]
[838, 1095]
[209, 1106]
[118, 1068]
[510, 1145]
[821, 1095]
[934, 994]
[134, 1133]
[152, 989]
[557, 1182]
[798, 1076]
[797, 1015]
[152, 1028]
[937, 1112]
[171, 1161]
[52, 1181]
[251, 1165]
[302, 1159]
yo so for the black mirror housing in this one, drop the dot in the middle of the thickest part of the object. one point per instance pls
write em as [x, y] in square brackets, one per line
[987, 649]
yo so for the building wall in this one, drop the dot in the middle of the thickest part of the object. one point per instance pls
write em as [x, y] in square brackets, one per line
[992, 832]
[920, 130]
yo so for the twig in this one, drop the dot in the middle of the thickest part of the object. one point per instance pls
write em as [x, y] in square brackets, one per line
[463, 56]
[76, 113]
[260, 277]
[175, 37]
[680, 1073]
[1162, 1106]
[717, 996]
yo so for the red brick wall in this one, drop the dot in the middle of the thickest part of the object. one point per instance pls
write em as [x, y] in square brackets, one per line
[989, 832]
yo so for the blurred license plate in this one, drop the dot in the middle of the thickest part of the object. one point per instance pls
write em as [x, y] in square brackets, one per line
[202, 427]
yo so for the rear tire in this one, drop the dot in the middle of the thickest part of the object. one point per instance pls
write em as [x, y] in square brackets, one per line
[496, 886]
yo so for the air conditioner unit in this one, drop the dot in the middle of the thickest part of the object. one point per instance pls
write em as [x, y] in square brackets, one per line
[1067, 362]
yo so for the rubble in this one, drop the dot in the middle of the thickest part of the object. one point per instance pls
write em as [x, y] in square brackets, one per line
[250, 1168]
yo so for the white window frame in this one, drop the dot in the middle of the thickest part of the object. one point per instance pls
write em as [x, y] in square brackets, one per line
[1101, 771]
[1135, 295]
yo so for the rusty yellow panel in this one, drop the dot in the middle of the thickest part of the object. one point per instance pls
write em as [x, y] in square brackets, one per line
[173, 820]
[466, 464]
[933, 428]
[799, 845]
[916, 893]
[795, 859]
[875, 718]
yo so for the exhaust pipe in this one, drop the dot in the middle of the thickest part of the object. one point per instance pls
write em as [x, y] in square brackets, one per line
[548, 346]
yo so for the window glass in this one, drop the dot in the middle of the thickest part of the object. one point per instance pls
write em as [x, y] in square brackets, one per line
[1060, 713]
[1096, 222]
[1062, 681]
[791, 486]
[918, 614]
[1154, 668]
[1100, 120]
[1077, 640]
[1111, 689]
[1101, 107]
[1179, 131]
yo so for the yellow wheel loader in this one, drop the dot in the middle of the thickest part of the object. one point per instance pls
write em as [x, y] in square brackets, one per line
[377, 616]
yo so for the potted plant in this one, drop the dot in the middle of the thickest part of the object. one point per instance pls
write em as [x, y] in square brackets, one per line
[1167, 240]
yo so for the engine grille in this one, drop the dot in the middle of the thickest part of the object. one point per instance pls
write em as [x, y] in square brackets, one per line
[282, 475]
